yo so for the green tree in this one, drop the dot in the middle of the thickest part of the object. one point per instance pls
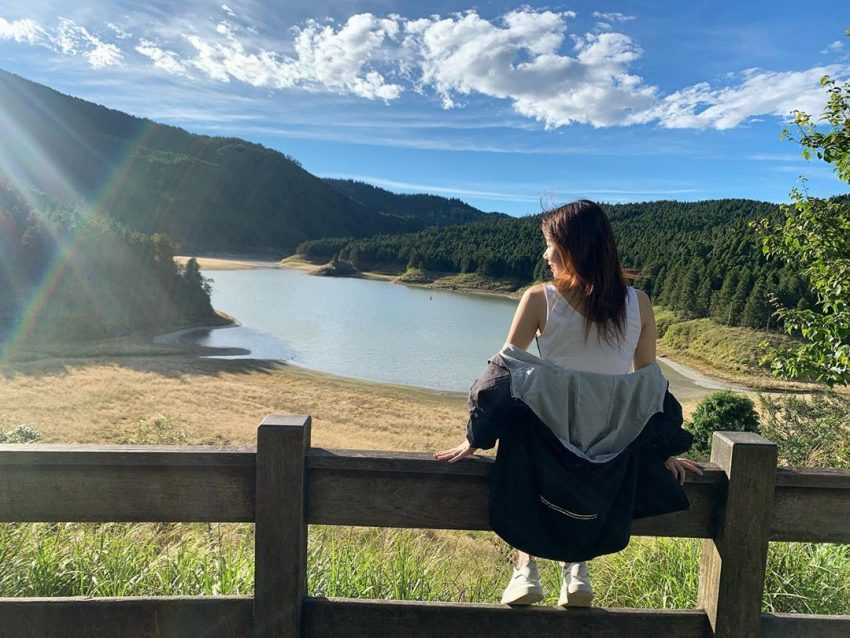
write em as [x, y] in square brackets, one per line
[702, 299]
[723, 298]
[757, 310]
[735, 309]
[815, 233]
[685, 300]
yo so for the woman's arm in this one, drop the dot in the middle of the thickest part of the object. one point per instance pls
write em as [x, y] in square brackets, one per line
[530, 316]
[645, 351]
[644, 355]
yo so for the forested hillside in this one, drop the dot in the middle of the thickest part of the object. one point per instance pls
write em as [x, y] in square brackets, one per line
[428, 210]
[206, 193]
[700, 258]
[66, 276]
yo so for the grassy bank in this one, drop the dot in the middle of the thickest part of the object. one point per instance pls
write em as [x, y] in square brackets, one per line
[199, 559]
[730, 352]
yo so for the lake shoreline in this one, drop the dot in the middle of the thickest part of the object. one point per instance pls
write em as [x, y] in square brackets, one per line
[295, 262]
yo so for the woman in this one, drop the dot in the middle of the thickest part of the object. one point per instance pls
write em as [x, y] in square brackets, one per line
[588, 319]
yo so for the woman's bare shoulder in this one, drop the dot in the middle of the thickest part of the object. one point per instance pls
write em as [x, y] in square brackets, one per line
[645, 303]
[536, 290]
[642, 296]
[535, 296]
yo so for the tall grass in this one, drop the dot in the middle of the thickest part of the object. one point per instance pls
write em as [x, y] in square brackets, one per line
[74, 559]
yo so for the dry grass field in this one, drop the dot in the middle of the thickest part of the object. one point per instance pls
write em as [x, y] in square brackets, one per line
[218, 402]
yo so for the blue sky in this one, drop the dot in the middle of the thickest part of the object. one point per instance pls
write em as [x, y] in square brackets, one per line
[508, 106]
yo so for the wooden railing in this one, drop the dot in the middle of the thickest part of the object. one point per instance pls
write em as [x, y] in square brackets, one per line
[740, 504]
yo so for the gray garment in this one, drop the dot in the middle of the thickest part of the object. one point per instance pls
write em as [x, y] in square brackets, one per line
[596, 416]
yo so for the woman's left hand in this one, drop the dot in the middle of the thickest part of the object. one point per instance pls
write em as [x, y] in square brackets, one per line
[456, 453]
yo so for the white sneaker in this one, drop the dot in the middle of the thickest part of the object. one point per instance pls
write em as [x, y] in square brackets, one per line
[575, 586]
[524, 587]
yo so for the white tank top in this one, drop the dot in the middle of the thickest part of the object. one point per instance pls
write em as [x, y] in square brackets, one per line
[563, 343]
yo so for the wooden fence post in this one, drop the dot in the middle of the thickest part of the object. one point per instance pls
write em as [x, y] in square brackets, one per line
[280, 539]
[732, 565]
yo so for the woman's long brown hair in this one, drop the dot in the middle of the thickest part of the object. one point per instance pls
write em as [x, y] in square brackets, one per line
[582, 234]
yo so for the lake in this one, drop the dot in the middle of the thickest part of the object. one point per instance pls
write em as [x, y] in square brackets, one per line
[366, 329]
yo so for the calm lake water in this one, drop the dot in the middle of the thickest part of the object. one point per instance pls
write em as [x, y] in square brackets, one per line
[371, 330]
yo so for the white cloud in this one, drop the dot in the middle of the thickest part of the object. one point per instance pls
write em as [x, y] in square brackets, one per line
[613, 16]
[163, 59]
[228, 10]
[73, 39]
[760, 93]
[26, 31]
[339, 60]
[67, 38]
[519, 60]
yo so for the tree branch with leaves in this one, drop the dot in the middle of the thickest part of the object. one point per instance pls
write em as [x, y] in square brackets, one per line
[814, 234]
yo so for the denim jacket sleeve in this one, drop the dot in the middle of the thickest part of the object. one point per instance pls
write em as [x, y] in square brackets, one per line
[489, 403]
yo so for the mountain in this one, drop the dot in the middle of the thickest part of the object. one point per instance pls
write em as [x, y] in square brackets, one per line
[429, 210]
[206, 193]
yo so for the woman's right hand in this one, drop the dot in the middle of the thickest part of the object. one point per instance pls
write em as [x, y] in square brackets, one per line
[456, 453]
[679, 468]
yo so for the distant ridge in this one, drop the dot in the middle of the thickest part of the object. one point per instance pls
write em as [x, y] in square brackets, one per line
[430, 210]
[206, 193]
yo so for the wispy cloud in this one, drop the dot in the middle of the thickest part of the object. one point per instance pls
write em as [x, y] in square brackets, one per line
[775, 157]
[613, 16]
[163, 59]
[120, 33]
[25, 30]
[834, 47]
[760, 93]
[519, 195]
[68, 38]
[417, 187]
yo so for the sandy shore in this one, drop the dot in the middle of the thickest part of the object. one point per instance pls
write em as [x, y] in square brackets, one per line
[228, 263]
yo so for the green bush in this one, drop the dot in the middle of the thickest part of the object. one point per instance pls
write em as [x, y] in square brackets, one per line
[721, 411]
[20, 434]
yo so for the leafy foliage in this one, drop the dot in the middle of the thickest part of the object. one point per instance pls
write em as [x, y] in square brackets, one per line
[810, 432]
[814, 235]
[721, 411]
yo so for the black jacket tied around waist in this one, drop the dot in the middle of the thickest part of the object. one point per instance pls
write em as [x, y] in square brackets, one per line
[546, 496]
